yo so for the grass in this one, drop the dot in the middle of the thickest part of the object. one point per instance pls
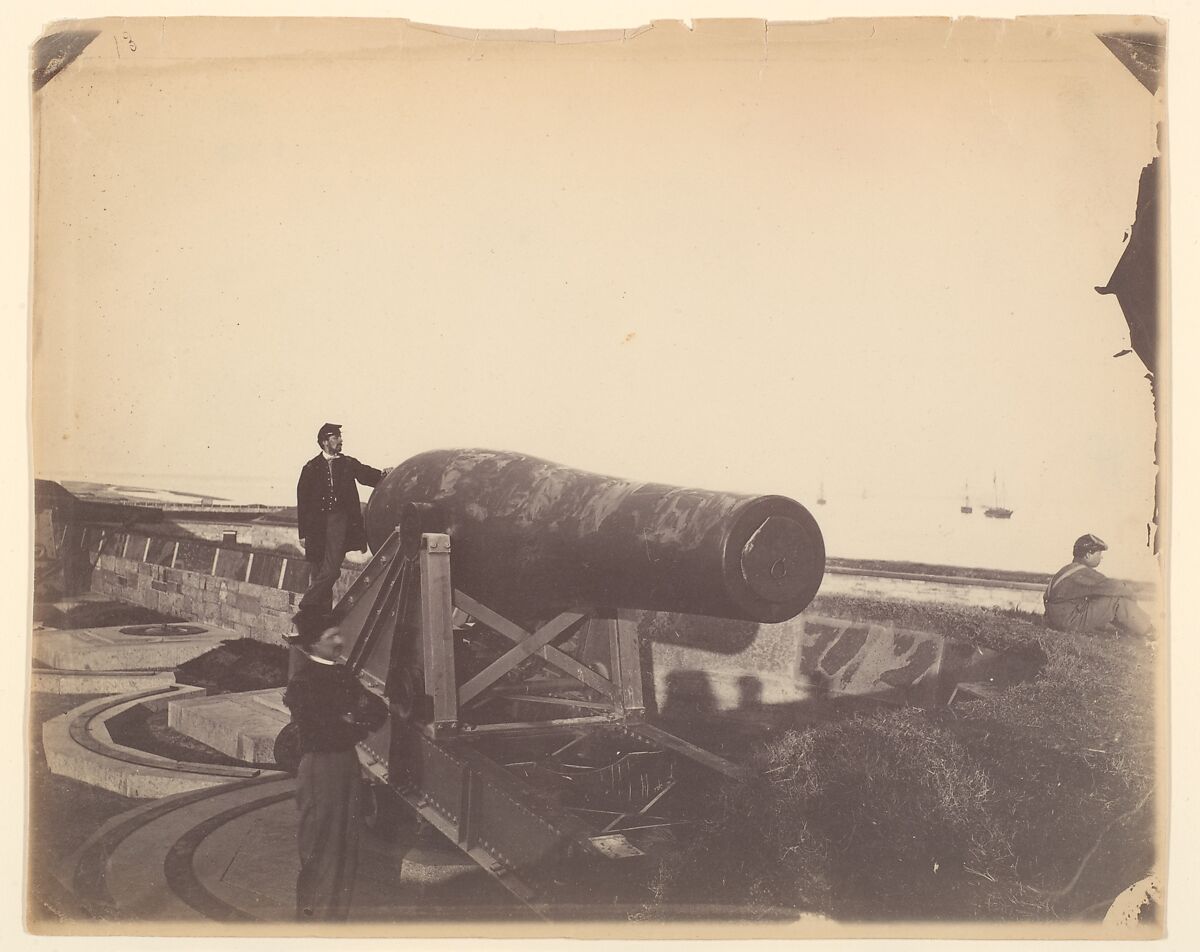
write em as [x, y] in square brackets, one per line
[1033, 804]
[99, 614]
[235, 665]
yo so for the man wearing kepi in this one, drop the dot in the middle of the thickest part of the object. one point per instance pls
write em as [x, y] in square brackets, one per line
[1079, 598]
[332, 712]
[329, 513]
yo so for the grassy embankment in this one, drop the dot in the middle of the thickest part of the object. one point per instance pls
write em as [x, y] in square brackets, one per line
[1032, 804]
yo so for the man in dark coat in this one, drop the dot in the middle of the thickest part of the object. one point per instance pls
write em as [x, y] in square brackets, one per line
[332, 712]
[1079, 598]
[329, 513]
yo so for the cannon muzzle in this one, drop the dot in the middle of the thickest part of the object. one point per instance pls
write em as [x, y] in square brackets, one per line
[533, 538]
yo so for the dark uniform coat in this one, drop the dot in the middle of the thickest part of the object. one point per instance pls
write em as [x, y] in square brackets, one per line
[332, 712]
[326, 484]
[1079, 598]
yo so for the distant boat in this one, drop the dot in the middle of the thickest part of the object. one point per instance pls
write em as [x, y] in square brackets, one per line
[997, 511]
[821, 494]
[966, 506]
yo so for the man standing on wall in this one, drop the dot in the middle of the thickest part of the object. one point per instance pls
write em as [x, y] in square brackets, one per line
[329, 514]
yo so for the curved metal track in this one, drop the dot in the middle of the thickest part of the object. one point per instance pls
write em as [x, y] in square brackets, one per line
[86, 875]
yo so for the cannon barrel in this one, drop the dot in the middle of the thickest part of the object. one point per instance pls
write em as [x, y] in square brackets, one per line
[533, 538]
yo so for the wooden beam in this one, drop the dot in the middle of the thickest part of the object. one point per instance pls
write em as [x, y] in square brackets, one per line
[625, 659]
[698, 754]
[628, 658]
[393, 577]
[523, 726]
[548, 653]
[518, 653]
[493, 619]
[561, 701]
[437, 633]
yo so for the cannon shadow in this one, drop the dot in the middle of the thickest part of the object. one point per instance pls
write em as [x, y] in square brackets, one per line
[808, 667]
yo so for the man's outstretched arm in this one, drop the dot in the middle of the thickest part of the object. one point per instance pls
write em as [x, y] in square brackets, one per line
[369, 475]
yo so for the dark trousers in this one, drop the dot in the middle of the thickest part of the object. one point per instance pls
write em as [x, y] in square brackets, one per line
[327, 796]
[1097, 612]
[326, 572]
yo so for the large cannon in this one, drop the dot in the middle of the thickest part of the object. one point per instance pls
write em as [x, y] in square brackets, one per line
[495, 617]
[536, 538]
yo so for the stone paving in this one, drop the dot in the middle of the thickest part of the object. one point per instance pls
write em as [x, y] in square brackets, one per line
[111, 649]
[212, 843]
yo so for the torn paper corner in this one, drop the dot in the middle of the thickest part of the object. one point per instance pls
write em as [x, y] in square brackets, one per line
[58, 46]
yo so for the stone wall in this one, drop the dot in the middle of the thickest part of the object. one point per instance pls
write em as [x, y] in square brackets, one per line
[250, 591]
[973, 593]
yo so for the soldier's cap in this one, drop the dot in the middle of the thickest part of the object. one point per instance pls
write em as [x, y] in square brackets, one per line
[1089, 543]
[310, 624]
[328, 429]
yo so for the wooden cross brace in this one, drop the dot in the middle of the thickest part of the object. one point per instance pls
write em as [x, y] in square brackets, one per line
[527, 645]
[519, 636]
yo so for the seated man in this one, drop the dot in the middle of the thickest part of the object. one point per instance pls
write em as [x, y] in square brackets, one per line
[1079, 598]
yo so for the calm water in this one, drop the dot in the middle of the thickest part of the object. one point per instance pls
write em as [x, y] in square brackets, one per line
[1035, 539]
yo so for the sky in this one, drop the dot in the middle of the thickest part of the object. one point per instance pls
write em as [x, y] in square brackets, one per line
[861, 257]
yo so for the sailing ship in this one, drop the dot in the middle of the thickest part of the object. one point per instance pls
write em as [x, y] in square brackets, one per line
[966, 508]
[997, 511]
[821, 494]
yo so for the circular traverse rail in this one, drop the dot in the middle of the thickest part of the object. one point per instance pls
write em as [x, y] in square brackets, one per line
[85, 873]
[81, 733]
[180, 870]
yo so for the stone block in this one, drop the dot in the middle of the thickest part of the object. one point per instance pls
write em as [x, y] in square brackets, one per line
[239, 725]
[49, 681]
[276, 598]
[247, 602]
[108, 649]
[429, 865]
